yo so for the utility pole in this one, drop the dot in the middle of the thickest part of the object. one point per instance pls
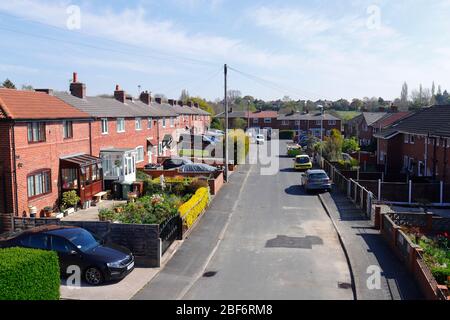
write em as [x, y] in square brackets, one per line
[248, 115]
[225, 102]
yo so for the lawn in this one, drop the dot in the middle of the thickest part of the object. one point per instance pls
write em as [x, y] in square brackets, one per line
[347, 115]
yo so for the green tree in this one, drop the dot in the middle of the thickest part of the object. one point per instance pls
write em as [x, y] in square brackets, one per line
[8, 84]
[203, 104]
[332, 147]
[217, 124]
[350, 145]
[27, 87]
[240, 123]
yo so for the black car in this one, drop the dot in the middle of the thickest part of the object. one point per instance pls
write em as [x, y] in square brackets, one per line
[175, 162]
[97, 261]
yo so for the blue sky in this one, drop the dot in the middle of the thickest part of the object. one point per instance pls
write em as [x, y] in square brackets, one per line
[303, 49]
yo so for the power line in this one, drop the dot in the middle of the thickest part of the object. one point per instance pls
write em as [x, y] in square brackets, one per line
[165, 57]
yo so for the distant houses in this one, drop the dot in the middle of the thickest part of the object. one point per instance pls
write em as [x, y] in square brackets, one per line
[52, 142]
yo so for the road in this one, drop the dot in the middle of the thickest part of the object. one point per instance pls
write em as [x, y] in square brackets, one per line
[263, 238]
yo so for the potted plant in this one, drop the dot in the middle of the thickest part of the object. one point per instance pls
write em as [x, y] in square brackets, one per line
[70, 201]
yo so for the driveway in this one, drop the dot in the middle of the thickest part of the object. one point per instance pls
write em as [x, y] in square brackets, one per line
[263, 238]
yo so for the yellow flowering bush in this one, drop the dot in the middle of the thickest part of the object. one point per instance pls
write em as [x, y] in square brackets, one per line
[192, 209]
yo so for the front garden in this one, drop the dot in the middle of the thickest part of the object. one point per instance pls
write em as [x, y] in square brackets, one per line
[436, 252]
[160, 201]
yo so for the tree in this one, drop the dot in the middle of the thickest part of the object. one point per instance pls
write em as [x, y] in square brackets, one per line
[356, 105]
[332, 147]
[217, 124]
[203, 105]
[240, 123]
[27, 87]
[184, 95]
[8, 84]
[350, 145]
[404, 95]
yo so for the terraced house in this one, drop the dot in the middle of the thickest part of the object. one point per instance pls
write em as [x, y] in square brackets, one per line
[418, 145]
[52, 142]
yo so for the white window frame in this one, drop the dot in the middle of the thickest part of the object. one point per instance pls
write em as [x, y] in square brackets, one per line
[149, 123]
[318, 122]
[285, 122]
[172, 122]
[267, 120]
[419, 171]
[164, 122]
[121, 127]
[104, 125]
[138, 124]
[406, 139]
[255, 120]
[412, 139]
[138, 158]
[331, 122]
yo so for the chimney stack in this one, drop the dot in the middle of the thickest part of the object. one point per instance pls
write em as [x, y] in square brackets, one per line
[47, 91]
[171, 102]
[196, 105]
[394, 108]
[77, 89]
[158, 100]
[190, 104]
[119, 94]
[146, 98]
[180, 103]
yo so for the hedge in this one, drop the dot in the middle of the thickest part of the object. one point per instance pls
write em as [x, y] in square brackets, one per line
[287, 134]
[28, 274]
[192, 209]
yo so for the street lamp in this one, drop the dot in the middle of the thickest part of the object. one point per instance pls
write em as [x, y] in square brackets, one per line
[321, 108]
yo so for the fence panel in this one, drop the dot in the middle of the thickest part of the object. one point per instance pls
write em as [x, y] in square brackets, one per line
[395, 192]
[429, 191]
[169, 231]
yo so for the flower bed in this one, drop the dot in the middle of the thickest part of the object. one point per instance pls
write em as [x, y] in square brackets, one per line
[436, 253]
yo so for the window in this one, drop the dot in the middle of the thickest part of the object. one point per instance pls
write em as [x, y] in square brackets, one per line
[318, 122]
[332, 122]
[421, 169]
[164, 122]
[60, 245]
[172, 122]
[285, 122]
[35, 241]
[138, 124]
[67, 129]
[120, 125]
[255, 120]
[140, 154]
[129, 165]
[406, 136]
[412, 139]
[36, 132]
[69, 179]
[267, 120]
[382, 156]
[149, 123]
[297, 123]
[39, 183]
[365, 127]
[405, 162]
[104, 126]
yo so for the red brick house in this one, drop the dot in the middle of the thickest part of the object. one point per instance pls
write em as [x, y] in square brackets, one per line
[309, 123]
[38, 131]
[362, 127]
[417, 145]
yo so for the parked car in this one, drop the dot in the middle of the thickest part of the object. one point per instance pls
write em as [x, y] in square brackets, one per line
[317, 180]
[152, 166]
[197, 167]
[98, 262]
[215, 132]
[260, 139]
[302, 162]
[175, 162]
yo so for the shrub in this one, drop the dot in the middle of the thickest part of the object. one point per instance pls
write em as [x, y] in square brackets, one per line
[152, 187]
[70, 199]
[287, 134]
[196, 184]
[191, 210]
[441, 274]
[28, 274]
[106, 215]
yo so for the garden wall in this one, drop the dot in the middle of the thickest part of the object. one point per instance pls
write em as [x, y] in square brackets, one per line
[142, 240]
[410, 255]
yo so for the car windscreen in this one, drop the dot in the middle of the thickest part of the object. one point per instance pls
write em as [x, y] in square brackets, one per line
[303, 160]
[318, 176]
[83, 240]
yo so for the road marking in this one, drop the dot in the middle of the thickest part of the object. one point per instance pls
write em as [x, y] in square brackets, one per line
[219, 240]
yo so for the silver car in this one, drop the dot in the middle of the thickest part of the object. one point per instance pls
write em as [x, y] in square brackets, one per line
[316, 180]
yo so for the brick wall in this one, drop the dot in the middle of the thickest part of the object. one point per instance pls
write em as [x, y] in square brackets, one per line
[45, 155]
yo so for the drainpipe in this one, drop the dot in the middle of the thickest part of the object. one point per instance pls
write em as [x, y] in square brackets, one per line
[445, 160]
[90, 137]
[434, 159]
[426, 155]
[14, 172]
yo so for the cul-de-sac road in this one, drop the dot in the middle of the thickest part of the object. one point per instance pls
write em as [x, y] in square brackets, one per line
[262, 238]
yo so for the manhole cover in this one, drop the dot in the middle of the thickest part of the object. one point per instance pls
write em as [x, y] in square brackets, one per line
[209, 274]
[294, 242]
[344, 285]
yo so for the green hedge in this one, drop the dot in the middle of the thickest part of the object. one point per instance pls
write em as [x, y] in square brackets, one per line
[287, 134]
[28, 274]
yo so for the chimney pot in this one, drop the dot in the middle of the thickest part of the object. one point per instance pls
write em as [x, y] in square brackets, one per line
[180, 103]
[196, 105]
[145, 97]
[75, 77]
[158, 100]
[190, 104]
[171, 102]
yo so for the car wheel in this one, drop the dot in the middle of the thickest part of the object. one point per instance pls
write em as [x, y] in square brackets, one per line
[93, 276]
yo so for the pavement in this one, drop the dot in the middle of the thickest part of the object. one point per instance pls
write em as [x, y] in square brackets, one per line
[91, 214]
[443, 212]
[262, 238]
[365, 248]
